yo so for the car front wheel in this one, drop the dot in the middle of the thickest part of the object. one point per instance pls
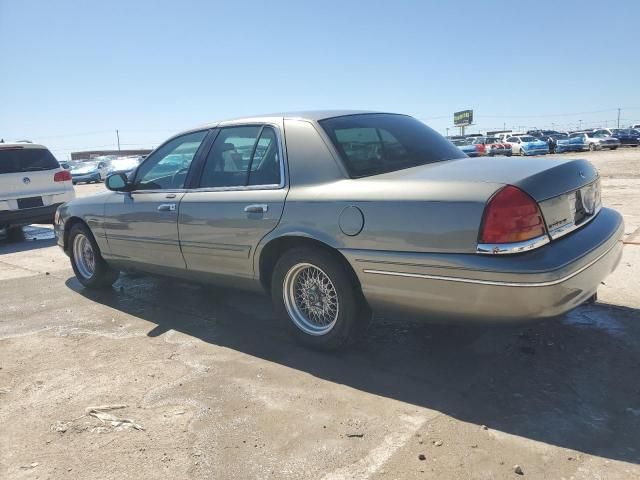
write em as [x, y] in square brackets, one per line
[90, 268]
[319, 299]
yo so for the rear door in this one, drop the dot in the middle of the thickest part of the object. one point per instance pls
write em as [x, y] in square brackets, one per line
[142, 225]
[238, 199]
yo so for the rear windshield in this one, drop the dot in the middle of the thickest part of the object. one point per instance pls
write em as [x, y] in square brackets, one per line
[13, 160]
[371, 144]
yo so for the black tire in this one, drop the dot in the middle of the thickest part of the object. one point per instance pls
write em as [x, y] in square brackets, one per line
[14, 233]
[614, 148]
[353, 313]
[592, 147]
[103, 275]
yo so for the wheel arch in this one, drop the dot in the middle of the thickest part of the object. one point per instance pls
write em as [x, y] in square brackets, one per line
[276, 247]
[68, 225]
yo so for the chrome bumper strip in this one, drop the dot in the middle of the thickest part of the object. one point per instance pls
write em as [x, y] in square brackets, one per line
[491, 282]
[509, 248]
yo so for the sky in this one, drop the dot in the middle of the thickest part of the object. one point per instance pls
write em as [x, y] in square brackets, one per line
[72, 72]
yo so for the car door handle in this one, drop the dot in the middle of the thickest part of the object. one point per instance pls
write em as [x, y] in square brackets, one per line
[257, 208]
[167, 207]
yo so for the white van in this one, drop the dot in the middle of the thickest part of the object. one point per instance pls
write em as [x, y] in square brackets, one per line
[32, 185]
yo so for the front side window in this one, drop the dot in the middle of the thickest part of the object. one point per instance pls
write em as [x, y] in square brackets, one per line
[168, 166]
[371, 144]
[241, 156]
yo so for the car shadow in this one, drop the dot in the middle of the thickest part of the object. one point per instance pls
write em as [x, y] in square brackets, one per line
[27, 238]
[571, 382]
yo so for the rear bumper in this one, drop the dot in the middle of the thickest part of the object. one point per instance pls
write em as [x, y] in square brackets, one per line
[539, 284]
[28, 216]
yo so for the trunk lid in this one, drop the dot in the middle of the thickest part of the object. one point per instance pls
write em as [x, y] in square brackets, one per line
[567, 191]
[542, 178]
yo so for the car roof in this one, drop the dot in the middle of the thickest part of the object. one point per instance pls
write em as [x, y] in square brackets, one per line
[310, 115]
[21, 145]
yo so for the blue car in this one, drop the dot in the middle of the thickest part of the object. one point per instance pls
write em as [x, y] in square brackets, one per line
[565, 143]
[527, 145]
[466, 146]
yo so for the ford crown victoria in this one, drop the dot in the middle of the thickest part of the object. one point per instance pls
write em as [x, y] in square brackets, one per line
[338, 214]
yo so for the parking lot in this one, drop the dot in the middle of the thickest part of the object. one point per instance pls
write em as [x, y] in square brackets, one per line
[163, 379]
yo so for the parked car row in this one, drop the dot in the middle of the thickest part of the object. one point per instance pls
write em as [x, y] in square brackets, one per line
[97, 170]
[541, 142]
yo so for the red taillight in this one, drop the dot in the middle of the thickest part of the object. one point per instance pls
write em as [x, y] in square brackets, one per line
[62, 176]
[511, 216]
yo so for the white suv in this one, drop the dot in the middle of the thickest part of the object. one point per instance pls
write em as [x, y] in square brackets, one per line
[32, 185]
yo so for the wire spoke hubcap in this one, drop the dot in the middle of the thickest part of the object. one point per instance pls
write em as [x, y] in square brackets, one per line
[311, 299]
[84, 256]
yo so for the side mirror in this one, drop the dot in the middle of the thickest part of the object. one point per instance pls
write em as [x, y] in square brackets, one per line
[118, 182]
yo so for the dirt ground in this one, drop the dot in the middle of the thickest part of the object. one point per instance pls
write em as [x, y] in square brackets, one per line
[202, 383]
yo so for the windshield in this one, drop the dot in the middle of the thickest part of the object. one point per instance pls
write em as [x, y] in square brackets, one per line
[20, 159]
[372, 144]
[528, 138]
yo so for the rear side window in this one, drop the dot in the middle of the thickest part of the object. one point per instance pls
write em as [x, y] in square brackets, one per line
[371, 144]
[13, 160]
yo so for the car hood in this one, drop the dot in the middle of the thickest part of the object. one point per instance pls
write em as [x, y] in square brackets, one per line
[476, 179]
[536, 144]
[96, 201]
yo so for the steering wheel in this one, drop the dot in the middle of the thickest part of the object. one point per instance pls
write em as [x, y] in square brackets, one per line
[175, 175]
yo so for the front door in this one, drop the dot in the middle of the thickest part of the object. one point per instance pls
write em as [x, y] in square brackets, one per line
[238, 200]
[141, 226]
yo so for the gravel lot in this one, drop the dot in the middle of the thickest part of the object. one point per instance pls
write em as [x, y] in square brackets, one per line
[210, 387]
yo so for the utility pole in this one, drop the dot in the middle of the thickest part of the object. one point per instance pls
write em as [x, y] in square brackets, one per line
[619, 117]
[447, 132]
[118, 137]
[580, 125]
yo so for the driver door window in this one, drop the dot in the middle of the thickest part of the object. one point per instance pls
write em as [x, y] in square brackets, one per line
[167, 168]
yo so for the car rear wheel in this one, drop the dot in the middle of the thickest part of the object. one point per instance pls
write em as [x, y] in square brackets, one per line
[317, 297]
[90, 268]
[592, 147]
